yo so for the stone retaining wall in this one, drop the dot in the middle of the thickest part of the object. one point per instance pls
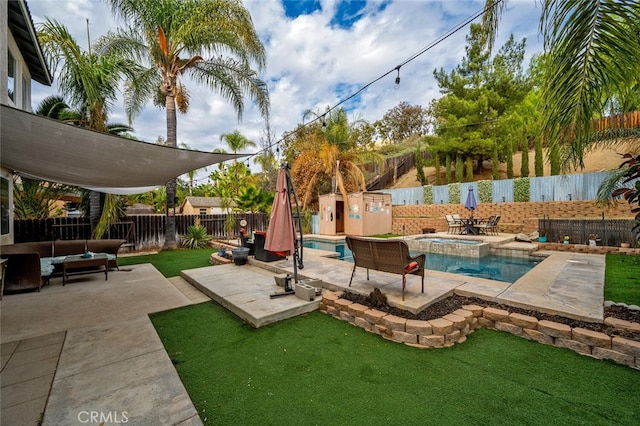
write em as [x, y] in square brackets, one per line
[515, 217]
[454, 328]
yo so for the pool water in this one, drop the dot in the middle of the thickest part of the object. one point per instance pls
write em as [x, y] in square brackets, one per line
[448, 241]
[497, 268]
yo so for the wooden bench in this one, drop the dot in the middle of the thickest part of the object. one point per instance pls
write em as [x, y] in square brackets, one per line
[386, 256]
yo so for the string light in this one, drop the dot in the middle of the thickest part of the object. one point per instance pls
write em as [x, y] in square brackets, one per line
[324, 124]
[442, 38]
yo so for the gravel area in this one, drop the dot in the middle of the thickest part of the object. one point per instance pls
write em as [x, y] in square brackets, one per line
[450, 304]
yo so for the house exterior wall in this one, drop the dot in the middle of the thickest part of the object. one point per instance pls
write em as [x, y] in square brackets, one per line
[6, 207]
[22, 77]
[4, 32]
[21, 100]
[188, 208]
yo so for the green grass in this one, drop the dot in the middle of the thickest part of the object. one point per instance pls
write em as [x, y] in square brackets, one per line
[622, 279]
[315, 369]
[171, 262]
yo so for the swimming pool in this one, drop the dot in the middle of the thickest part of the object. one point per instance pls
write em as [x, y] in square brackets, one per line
[492, 267]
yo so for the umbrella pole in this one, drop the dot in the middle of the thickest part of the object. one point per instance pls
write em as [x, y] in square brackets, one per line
[297, 243]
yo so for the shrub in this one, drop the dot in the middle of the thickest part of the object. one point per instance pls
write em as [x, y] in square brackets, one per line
[485, 191]
[196, 237]
[428, 194]
[521, 189]
[454, 193]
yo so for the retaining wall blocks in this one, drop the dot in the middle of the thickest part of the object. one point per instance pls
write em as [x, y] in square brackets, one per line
[454, 327]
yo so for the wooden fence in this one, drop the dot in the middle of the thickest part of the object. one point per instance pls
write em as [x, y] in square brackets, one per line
[611, 232]
[142, 232]
[393, 168]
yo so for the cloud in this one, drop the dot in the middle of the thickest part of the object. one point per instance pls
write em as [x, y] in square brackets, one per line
[316, 59]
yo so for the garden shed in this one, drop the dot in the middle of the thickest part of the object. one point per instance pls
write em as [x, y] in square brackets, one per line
[364, 214]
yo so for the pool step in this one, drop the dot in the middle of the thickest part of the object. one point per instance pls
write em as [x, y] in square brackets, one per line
[514, 249]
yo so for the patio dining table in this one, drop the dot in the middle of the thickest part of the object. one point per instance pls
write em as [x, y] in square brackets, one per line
[469, 226]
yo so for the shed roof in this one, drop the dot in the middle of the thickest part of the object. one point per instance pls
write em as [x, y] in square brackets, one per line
[205, 201]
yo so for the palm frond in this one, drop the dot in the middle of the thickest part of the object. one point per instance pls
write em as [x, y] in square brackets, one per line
[593, 49]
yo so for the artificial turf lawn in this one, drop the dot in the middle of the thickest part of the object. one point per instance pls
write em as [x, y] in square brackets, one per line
[171, 262]
[315, 369]
[622, 279]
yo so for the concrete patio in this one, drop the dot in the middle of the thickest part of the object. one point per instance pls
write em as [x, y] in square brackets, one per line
[89, 348]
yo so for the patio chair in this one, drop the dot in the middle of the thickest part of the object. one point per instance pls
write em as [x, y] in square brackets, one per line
[455, 226]
[490, 227]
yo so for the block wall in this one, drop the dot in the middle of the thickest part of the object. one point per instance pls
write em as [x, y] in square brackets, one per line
[515, 217]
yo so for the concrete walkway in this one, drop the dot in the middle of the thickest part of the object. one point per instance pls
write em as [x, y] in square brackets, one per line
[89, 349]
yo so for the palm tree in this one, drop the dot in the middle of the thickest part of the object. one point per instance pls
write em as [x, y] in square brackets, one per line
[170, 37]
[237, 141]
[593, 48]
[90, 82]
[330, 155]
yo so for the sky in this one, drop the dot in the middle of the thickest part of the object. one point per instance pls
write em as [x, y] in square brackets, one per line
[319, 52]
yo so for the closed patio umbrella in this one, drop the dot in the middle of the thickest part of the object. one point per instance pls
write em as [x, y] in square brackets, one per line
[281, 234]
[471, 204]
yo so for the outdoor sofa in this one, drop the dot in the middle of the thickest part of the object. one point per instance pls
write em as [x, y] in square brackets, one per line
[30, 265]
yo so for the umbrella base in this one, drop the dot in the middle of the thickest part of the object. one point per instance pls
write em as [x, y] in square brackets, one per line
[284, 293]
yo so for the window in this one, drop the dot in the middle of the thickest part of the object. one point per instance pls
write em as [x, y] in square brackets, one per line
[11, 72]
[26, 104]
[4, 206]
[203, 211]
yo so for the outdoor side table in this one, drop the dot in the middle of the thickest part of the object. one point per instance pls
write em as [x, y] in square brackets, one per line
[79, 264]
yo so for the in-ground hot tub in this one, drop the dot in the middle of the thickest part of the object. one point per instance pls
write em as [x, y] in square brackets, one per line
[449, 246]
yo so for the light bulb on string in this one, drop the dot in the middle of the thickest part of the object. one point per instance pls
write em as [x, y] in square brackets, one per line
[397, 83]
[324, 124]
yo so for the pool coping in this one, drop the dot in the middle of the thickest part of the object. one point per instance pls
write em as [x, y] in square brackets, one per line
[564, 283]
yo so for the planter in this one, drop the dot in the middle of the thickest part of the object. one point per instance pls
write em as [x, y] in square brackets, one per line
[221, 252]
[240, 255]
[624, 245]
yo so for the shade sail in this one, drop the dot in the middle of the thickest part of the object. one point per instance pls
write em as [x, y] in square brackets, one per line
[47, 149]
[280, 237]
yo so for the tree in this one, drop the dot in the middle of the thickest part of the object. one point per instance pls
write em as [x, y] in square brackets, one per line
[90, 81]
[472, 116]
[36, 199]
[236, 141]
[402, 121]
[592, 49]
[324, 156]
[169, 37]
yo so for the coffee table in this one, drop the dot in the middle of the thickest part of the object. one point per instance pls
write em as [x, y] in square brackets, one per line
[78, 265]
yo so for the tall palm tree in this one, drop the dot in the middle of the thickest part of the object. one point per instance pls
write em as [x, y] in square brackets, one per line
[237, 141]
[593, 48]
[170, 37]
[90, 82]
